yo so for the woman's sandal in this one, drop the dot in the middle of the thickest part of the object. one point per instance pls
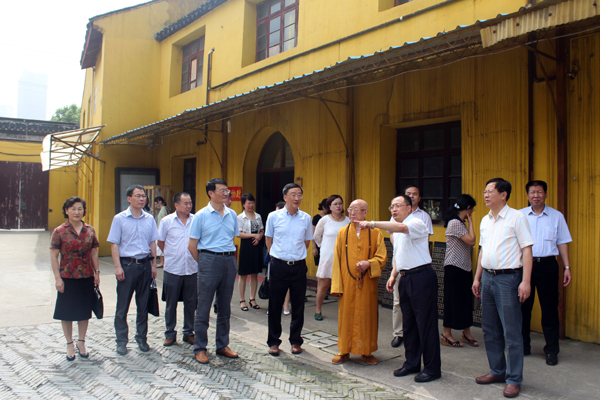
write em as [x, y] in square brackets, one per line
[470, 342]
[70, 358]
[86, 355]
[245, 308]
[255, 306]
[447, 342]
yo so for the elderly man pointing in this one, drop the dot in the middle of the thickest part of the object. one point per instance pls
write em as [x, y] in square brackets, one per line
[359, 257]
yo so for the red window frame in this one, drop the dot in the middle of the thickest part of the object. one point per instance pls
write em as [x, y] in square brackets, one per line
[276, 22]
[193, 55]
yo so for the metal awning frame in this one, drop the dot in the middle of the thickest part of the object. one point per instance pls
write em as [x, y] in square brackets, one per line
[66, 148]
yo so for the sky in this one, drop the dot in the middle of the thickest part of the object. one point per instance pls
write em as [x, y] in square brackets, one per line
[47, 36]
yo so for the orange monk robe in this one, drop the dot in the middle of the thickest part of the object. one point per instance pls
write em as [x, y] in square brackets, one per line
[358, 316]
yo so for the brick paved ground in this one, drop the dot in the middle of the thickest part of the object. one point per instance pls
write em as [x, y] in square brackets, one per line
[33, 366]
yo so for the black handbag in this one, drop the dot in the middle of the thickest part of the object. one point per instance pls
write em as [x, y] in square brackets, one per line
[98, 306]
[263, 291]
[153, 299]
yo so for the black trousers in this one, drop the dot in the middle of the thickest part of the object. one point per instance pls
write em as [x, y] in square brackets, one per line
[544, 278]
[176, 287]
[418, 302]
[137, 279]
[284, 277]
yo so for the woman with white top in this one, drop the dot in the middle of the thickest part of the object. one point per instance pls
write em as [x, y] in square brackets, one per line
[325, 236]
[251, 254]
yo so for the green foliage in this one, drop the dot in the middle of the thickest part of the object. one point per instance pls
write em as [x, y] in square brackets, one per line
[67, 114]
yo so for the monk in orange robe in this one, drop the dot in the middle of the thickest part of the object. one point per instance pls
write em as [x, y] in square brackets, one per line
[359, 258]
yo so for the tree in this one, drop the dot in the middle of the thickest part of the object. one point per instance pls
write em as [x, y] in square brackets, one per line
[67, 114]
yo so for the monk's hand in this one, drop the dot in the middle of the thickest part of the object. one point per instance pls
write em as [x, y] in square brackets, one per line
[364, 224]
[362, 266]
[390, 284]
[524, 291]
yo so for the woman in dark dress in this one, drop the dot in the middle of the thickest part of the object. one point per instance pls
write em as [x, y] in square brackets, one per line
[76, 273]
[251, 254]
[323, 211]
[458, 277]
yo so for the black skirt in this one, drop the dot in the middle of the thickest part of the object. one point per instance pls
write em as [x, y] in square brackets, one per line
[75, 303]
[458, 298]
[251, 258]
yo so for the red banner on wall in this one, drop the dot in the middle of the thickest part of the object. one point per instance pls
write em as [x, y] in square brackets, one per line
[236, 193]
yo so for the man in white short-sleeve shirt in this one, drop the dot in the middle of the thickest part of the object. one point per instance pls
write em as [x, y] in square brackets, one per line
[181, 270]
[414, 193]
[502, 281]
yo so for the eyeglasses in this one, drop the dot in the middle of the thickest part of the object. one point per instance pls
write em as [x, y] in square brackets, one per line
[223, 191]
[139, 196]
[336, 205]
[295, 196]
[396, 206]
[488, 192]
[356, 210]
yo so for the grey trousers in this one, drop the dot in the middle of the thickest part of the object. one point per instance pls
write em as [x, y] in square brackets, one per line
[137, 279]
[216, 274]
[178, 287]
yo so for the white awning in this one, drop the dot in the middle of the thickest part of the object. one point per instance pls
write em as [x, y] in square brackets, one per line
[66, 148]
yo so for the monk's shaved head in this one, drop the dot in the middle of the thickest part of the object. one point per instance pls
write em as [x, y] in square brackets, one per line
[358, 210]
[360, 204]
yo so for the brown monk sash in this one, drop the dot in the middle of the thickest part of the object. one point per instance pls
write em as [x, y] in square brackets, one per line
[361, 275]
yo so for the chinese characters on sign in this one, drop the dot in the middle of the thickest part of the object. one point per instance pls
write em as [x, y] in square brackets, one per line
[236, 193]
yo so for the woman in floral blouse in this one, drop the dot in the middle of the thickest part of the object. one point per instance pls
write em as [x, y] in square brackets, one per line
[76, 273]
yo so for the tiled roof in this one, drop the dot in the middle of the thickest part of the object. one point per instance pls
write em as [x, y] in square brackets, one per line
[30, 130]
[188, 19]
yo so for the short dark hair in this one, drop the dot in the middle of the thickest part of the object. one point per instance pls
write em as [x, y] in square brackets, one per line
[280, 205]
[407, 199]
[409, 186]
[543, 184]
[178, 196]
[463, 202]
[501, 186]
[160, 198]
[323, 204]
[289, 186]
[330, 200]
[246, 197]
[69, 203]
[211, 185]
[131, 188]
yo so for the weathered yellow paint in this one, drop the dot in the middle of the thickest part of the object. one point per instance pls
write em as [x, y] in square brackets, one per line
[583, 204]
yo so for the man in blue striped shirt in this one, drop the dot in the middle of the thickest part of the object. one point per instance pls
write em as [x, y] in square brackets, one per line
[133, 236]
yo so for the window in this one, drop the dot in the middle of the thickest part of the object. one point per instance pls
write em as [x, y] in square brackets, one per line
[191, 65]
[276, 27]
[430, 157]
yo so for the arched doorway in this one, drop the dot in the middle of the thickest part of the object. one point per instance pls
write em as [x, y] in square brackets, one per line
[275, 169]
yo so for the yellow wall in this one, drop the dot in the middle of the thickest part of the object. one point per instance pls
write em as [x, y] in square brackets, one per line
[62, 183]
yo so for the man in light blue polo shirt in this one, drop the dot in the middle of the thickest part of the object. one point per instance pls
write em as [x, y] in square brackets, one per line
[551, 235]
[289, 231]
[211, 245]
[133, 235]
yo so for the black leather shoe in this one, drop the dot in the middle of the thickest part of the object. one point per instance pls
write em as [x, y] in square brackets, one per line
[121, 349]
[404, 371]
[551, 359]
[143, 346]
[425, 377]
[397, 341]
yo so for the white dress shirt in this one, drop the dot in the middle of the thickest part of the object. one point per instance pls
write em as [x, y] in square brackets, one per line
[178, 259]
[289, 233]
[549, 229]
[423, 216]
[502, 239]
[411, 250]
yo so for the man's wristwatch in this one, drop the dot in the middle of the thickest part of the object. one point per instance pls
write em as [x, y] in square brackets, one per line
[372, 224]
[567, 267]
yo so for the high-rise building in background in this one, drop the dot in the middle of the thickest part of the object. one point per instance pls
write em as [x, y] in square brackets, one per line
[32, 95]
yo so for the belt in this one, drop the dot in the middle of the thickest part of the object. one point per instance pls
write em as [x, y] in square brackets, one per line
[404, 272]
[131, 260]
[224, 253]
[543, 259]
[502, 271]
[288, 262]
